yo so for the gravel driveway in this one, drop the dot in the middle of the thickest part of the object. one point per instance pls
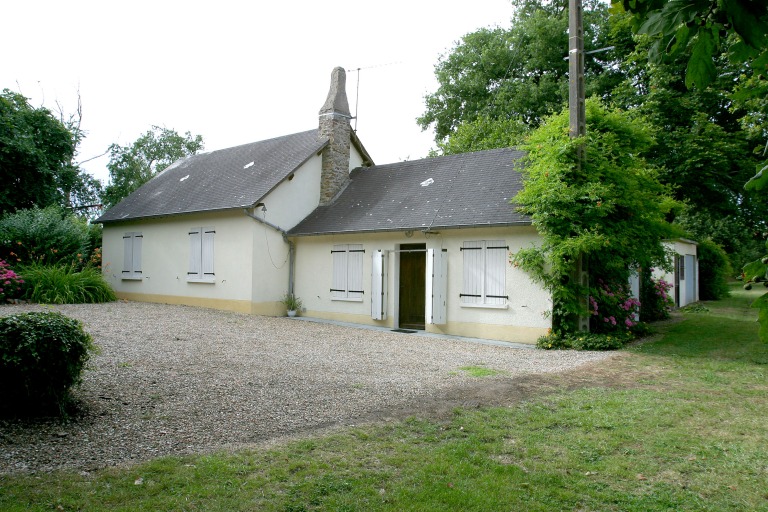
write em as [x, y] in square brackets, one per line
[178, 380]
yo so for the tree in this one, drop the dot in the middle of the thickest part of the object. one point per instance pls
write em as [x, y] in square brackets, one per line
[79, 190]
[704, 26]
[519, 75]
[35, 150]
[132, 166]
[610, 209]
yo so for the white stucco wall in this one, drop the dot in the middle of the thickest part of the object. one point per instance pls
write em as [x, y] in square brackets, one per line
[250, 258]
[521, 319]
[165, 260]
[295, 197]
[355, 159]
[688, 287]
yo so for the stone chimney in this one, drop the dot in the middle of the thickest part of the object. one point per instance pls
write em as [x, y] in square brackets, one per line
[334, 124]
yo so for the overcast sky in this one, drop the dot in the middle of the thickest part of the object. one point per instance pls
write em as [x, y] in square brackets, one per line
[235, 71]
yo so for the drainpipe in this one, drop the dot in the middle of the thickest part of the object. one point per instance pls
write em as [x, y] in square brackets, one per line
[291, 246]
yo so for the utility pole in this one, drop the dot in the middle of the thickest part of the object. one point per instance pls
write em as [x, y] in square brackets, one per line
[578, 122]
[576, 94]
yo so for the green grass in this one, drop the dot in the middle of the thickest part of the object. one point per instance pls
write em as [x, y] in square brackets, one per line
[688, 433]
[479, 371]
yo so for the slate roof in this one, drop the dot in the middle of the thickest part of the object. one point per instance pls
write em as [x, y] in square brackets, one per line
[465, 190]
[229, 178]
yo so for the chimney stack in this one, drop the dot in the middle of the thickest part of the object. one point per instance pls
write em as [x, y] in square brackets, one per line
[334, 124]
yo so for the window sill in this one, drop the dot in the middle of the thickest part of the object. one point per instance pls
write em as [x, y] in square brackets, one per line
[346, 300]
[486, 306]
[202, 281]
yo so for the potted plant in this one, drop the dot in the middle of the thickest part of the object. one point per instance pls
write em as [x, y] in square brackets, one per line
[291, 303]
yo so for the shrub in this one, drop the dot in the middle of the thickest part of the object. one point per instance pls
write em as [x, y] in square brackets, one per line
[714, 269]
[612, 307]
[656, 301]
[10, 282]
[64, 285]
[585, 341]
[49, 236]
[42, 356]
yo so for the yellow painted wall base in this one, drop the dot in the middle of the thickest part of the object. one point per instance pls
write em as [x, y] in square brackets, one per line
[511, 333]
[238, 306]
[348, 318]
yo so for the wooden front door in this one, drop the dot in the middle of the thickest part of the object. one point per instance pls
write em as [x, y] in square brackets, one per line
[413, 267]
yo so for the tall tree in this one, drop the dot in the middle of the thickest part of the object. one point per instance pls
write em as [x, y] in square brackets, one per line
[610, 209]
[520, 73]
[35, 151]
[703, 26]
[132, 166]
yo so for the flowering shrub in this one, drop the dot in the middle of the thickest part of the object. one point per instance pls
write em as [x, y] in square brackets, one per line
[10, 282]
[612, 308]
[49, 236]
[657, 302]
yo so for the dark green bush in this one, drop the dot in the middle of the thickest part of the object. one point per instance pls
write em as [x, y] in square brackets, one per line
[42, 356]
[585, 341]
[49, 236]
[714, 269]
[65, 285]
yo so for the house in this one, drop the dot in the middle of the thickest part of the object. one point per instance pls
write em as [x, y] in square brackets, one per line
[684, 277]
[683, 258]
[421, 244]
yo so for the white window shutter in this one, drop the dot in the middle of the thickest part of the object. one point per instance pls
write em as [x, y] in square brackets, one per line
[195, 254]
[379, 285]
[355, 271]
[437, 286]
[472, 289]
[339, 279]
[127, 254]
[136, 254]
[495, 272]
[207, 252]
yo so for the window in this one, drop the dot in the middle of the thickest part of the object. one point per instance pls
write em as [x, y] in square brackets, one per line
[201, 255]
[347, 283]
[132, 255]
[485, 273]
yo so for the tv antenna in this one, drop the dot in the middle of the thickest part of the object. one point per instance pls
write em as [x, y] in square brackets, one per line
[357, 86]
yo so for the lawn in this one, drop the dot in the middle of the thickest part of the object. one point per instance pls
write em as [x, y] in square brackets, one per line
[685, 429]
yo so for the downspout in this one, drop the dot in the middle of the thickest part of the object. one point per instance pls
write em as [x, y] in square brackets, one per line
[291, 246]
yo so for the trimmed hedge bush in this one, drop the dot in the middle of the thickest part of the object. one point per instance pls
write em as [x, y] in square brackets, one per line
[585, 341]
[42, 356]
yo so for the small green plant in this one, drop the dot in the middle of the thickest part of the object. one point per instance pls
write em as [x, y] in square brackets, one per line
[42, 356]
[64, 285]
[696, 307]
[291, 302]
